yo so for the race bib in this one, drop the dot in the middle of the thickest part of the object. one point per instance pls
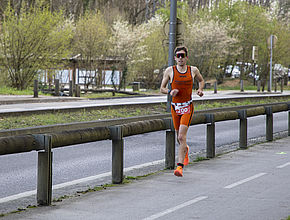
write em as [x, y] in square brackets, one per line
[182, 110]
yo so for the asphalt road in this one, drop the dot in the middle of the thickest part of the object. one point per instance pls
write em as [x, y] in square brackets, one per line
[87, 162]
[45, 103]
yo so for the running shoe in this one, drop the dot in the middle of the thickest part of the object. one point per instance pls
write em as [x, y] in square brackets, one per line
[178, 171]
[186, 159]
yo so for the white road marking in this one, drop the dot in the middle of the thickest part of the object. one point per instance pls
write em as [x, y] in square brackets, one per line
[173, 209]
[284, 165]
[17, 196]
[78, 181]
[245, 180]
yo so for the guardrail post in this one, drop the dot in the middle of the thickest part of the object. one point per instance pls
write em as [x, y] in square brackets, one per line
[44, 173]
[269, 123]
[170, 145]
[242, 85]
[243, 129]
[117, 153]
[268, 83]
[71, 88]
[210, 136]
[288, 119]
[35, 89]
[77, 91]
[258, 86]
[215, 87]
[56, 91]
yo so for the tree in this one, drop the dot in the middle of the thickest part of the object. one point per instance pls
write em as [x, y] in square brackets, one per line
[32, 41]
[125, 40]
[251, 25]
[150, 57]
[91, 41]
[209, 44]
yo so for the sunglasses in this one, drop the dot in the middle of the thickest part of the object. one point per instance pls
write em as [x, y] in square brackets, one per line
[180, 55]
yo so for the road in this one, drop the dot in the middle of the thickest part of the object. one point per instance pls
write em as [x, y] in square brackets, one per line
[45, 103]
[91, 162]
[245, 184]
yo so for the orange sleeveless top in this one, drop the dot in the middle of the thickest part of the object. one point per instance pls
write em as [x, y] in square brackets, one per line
[184, 83]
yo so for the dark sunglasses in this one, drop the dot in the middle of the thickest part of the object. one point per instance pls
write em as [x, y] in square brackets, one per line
[180, 55]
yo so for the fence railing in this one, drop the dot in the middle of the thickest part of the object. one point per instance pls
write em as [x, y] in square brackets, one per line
[44, 143]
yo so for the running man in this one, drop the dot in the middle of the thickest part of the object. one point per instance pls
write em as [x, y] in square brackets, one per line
[181, 78]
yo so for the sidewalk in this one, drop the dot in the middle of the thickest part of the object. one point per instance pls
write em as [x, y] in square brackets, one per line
[244, 184]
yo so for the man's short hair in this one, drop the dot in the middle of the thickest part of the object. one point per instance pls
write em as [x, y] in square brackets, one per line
[181, 48]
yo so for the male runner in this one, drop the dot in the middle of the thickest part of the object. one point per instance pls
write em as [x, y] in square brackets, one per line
[181, 79]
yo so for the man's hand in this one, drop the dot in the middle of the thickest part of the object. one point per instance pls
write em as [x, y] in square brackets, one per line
[174, 92]
[199, 92]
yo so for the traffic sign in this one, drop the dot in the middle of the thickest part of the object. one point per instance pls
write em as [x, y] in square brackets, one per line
[179, 27]
[255, 53]
[274, 41]
[179, 42]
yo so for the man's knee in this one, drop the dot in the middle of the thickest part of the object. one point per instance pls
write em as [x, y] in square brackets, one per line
[181, 138]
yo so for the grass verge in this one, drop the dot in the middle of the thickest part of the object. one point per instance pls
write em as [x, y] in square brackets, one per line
[12, 91]
[13, 122]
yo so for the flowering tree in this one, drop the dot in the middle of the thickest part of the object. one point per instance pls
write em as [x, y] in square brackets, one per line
[151, 55]
[209, 44]
[128, 42]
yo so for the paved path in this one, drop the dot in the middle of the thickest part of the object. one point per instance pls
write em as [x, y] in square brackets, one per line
[28, 103]
[248, 184]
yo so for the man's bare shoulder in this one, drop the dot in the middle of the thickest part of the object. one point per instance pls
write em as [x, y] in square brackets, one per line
[168, 69]
[168, 72]
[194, 69]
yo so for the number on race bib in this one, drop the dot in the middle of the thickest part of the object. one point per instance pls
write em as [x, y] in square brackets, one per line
[182, 110]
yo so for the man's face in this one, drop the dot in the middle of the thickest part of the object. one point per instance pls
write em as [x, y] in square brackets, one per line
[181, 58]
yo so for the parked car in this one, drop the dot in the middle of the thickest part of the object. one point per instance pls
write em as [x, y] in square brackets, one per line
[251, 75]
[233, 71]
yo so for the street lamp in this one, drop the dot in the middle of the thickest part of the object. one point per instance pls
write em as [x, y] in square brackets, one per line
[172, 43]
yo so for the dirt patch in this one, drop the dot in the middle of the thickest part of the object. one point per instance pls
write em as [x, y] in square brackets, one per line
[231, 82]
[226, 82]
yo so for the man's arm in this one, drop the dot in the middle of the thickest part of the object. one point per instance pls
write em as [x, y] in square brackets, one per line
[200, 80]
[168, 74]
[164, 82]
[166, 79]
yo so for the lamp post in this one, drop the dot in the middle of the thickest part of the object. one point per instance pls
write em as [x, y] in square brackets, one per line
[272, 40]
[172, 43]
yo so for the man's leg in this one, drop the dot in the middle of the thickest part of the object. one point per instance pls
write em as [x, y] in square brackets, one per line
[181, 136]
[182, 150]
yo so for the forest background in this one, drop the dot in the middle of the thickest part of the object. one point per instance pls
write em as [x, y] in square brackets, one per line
[37, 34]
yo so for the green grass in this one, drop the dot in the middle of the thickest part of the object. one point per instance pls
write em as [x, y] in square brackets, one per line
[198, 159]
[248, 87]
[79, 116]
[103, 95]
[12, 122]
[220, 104]
[12, 91]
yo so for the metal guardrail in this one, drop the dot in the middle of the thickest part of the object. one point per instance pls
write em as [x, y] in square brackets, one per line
[44, 143]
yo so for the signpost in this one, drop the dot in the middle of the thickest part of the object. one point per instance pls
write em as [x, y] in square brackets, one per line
[254, 59]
